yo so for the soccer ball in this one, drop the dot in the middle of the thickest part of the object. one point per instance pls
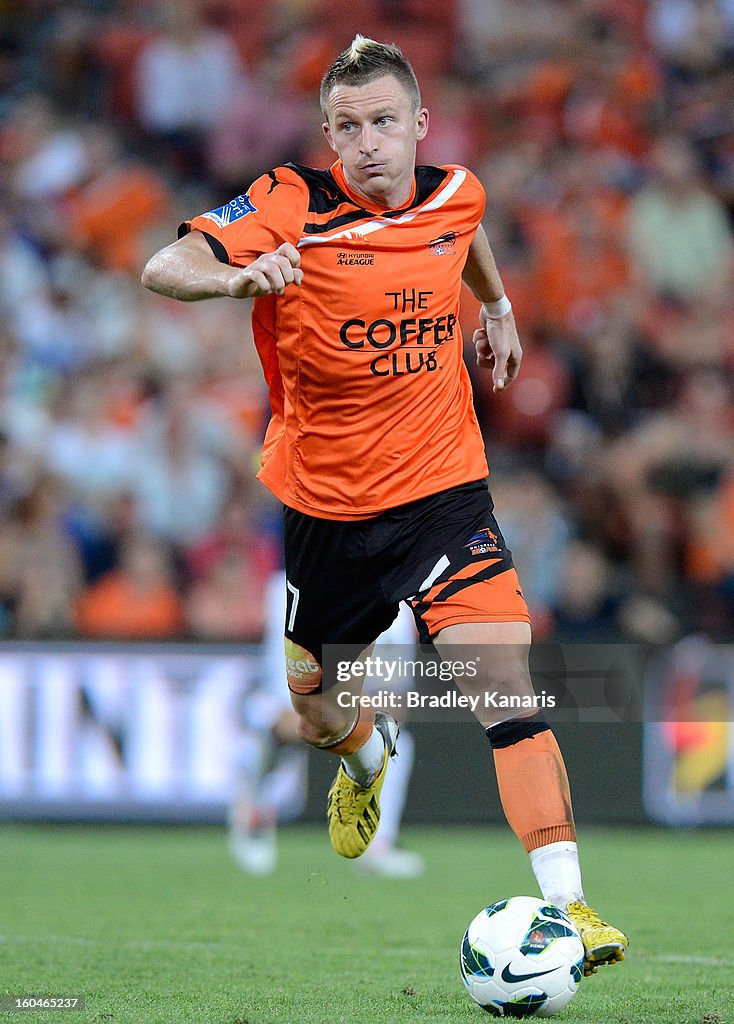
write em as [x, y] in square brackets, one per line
[522, 957]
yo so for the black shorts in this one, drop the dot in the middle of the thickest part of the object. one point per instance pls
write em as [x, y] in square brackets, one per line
[444, 555]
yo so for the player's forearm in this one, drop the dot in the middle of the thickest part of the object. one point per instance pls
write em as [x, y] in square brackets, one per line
[480, 271]
[187, 275]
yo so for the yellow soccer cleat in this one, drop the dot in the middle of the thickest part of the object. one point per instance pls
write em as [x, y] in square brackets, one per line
[603, 943]
[353, 810]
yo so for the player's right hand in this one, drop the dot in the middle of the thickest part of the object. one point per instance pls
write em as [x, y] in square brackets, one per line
[269, 274]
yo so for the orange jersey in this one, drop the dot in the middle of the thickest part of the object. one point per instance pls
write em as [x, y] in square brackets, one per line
[371, 401]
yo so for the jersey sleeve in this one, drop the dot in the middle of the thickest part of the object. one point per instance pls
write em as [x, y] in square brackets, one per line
[272, 212]
[471, 196]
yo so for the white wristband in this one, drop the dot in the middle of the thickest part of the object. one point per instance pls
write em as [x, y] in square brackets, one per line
[500, 308]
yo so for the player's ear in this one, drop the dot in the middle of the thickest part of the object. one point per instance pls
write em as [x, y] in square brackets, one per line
[329, 137]
[421, 124]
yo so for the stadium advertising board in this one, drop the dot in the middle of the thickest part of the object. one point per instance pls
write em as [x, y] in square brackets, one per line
[120, 732]
[143, 733]
[688, 757]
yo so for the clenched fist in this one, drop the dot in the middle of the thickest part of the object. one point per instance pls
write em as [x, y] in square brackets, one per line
[269, 274]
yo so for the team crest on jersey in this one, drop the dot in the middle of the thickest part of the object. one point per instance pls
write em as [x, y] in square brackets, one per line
[483, 543]
[444, 245]
[232, 211]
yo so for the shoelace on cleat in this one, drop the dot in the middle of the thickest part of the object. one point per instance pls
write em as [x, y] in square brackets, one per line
[344, 793]
[343, 796]
[587, 916]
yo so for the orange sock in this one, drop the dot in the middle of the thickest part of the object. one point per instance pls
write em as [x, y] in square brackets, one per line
[534, 790]
[358, 736]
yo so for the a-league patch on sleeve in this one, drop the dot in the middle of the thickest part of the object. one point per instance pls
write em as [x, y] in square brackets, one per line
[232, 211]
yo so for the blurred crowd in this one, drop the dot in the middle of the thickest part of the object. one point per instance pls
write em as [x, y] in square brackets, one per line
[130, 425]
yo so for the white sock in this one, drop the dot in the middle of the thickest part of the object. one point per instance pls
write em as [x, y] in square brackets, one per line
[556, 868]
[365, 763]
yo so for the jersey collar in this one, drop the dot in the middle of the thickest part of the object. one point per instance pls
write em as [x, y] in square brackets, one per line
[362, 201]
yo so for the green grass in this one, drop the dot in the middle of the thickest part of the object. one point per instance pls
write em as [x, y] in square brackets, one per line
[159, 926]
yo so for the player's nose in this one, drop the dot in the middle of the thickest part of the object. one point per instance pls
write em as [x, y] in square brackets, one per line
[368, 141]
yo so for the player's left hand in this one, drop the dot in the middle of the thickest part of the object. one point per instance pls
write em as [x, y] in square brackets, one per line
[498, 348]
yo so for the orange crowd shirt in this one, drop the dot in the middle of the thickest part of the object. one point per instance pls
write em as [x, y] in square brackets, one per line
[371, 402]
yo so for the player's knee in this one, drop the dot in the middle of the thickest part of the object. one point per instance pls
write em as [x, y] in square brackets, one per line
[318, 733]
[506, 734]
[310, 732]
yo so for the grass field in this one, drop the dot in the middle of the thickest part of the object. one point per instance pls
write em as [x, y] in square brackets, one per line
[157, 926]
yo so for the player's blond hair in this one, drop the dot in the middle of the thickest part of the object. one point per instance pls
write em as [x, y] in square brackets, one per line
[363, 61]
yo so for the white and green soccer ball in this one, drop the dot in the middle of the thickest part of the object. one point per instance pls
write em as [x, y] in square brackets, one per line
[522, 957]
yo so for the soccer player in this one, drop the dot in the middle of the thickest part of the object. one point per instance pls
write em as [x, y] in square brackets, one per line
[373, 445]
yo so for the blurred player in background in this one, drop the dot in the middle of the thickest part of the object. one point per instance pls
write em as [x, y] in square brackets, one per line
[273, 762]
[374, 447]
[383, 856]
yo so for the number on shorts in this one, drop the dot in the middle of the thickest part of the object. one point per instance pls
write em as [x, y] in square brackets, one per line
[294, 606]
